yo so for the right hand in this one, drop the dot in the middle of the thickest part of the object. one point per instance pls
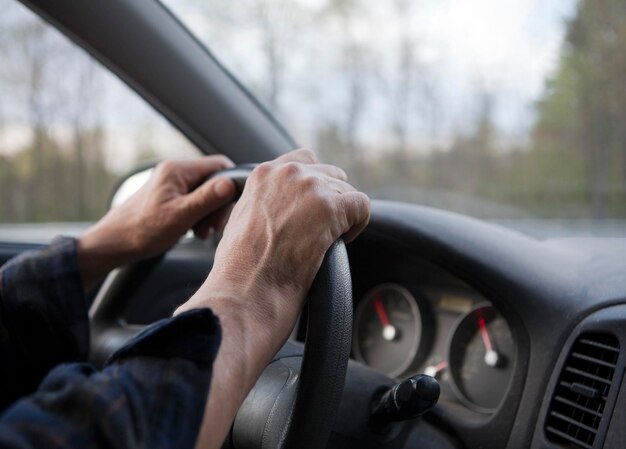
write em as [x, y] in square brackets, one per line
[291, 211]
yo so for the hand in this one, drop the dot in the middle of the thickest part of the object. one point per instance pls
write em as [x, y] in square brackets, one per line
[289, 214]
[173, 201]
[291, 211]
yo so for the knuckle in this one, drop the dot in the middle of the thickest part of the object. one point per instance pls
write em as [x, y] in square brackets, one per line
[308, 154]
[261, 171]
[166, 168]
[310, 183]
[290, 169]
[363, 198]
[341, 174]
[363, 205]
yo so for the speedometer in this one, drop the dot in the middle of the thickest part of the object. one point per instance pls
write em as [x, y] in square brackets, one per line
[481, 356]
[387, 329]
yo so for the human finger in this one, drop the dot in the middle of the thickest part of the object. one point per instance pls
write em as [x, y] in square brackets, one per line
[208, 198]
[357, 211]
[195, 171]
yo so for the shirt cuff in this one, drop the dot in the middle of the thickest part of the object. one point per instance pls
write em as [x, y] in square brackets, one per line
[194, 335]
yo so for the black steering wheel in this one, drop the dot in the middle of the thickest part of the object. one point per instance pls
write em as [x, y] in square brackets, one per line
[294, 403]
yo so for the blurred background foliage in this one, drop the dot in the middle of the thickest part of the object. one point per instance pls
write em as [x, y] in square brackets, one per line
[572, 164]
[64, 142]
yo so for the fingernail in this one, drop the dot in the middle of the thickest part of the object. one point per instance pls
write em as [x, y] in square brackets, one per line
[223, 188]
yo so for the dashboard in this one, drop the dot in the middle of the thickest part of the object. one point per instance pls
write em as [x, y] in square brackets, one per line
[410, 317]
[497, 317]
[448, 332]
[442, 326]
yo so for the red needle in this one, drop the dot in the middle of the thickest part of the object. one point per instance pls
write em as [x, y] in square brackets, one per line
[441, 366]
[380, 310]
[483, 331]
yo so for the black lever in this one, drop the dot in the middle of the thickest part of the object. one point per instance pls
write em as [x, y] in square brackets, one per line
[407, 400]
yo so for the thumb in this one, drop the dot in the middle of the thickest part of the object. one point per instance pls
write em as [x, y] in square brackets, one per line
[209, 197]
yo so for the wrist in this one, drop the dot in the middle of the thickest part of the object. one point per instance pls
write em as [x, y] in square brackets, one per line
[244, 345]
[100, 250]
[265, 311]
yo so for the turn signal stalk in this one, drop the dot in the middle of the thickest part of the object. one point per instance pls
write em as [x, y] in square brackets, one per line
[409, 399]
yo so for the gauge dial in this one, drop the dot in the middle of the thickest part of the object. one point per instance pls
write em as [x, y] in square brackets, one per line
[387, 329]
[481, 357]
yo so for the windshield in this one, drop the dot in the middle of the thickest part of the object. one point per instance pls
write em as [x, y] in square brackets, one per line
[501, 109]
[68, 130]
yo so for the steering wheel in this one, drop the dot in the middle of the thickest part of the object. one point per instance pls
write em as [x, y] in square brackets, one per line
[294, 403]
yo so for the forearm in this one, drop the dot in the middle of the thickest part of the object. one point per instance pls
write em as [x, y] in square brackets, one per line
[239, 363]
[250, 338]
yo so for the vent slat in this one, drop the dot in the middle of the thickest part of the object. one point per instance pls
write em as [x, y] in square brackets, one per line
[599, 345]
[587, 375]
[573, 422]
[562, 400]
[592, 360]
[568, 438]
[578, 403]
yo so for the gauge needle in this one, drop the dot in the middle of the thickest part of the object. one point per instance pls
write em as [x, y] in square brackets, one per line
[491, 356]
[389, 331]
[434, 370]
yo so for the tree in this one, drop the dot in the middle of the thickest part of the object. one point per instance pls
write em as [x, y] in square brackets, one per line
[580, 134]
[353, 65]
[50, 88]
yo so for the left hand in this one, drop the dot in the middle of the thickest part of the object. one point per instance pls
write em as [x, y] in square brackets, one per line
[174, 200]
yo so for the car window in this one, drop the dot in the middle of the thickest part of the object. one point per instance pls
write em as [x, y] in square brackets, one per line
[68, 127]
[502, 109]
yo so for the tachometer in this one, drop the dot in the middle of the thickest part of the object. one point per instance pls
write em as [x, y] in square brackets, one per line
[481, 358]
[387, 329]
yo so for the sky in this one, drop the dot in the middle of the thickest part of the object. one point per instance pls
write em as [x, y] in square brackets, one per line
[507, 48]
[511, 46]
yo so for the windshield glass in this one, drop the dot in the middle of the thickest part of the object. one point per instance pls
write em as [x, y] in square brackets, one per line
[501, 109]
[69, 129]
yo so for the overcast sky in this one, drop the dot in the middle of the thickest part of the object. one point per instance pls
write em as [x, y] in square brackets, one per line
[505, 47]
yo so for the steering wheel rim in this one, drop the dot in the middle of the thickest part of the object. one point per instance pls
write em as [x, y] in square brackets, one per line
[326, 349]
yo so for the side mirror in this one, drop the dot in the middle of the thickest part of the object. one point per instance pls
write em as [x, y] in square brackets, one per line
[130, 183]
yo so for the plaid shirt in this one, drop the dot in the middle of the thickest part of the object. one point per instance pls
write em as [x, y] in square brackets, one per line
[151, 394]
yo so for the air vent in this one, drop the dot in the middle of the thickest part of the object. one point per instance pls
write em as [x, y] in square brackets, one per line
[580, 395]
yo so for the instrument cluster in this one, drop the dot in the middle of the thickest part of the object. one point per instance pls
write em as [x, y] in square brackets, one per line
[456, 336]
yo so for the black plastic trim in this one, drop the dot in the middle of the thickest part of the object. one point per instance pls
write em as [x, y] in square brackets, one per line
[611, 320]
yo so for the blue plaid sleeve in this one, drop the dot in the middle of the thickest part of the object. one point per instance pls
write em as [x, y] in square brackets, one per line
[151, 394]
[43, 317]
